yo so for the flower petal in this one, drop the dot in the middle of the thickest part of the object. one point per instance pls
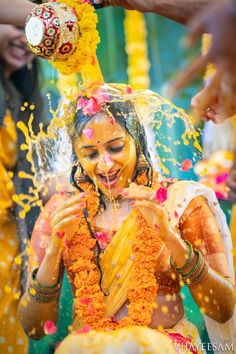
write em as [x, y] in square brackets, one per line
[186, 165]
[85, 329]
[89, 133]
[49, 327]
[161, 195]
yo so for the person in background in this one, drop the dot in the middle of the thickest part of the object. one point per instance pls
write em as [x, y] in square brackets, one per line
[19, 83]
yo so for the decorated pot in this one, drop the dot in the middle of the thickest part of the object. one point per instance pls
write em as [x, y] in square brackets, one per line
[52, 30]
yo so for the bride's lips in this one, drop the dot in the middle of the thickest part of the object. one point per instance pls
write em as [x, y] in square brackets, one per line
[110, 179]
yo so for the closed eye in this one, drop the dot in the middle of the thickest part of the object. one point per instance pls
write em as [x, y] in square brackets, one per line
[92, 155]
[116, 149]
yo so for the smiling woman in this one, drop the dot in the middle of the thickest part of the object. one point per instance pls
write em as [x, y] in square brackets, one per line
[14, 52]
[111, 160]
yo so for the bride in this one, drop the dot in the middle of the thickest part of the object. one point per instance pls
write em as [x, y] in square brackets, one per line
[128, 242]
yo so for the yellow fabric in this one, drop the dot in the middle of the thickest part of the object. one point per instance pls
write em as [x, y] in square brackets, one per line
[12, 338]
[122, 341]
[117, 263]
[132, 339]
[189, 330]
[8, 148]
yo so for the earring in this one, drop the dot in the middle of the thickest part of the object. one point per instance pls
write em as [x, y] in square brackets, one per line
[143, 171]
[142, 164]
[81, 177]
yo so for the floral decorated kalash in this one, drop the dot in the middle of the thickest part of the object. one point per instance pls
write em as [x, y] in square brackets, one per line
[114, 252]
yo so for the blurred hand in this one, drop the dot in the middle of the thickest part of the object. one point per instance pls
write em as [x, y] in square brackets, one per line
[211, 104]
[220, 22]
[139, 5]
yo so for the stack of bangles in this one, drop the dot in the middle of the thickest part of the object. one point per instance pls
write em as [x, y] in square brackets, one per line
[197, 268]
[42, 293]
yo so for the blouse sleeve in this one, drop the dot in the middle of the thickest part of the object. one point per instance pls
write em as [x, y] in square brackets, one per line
[198, 225]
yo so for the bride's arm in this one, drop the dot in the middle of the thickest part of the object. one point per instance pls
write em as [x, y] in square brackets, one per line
[215, 296]
[40, 301]
[32, 311]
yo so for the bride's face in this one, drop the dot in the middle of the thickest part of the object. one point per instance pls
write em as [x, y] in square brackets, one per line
[107, 154]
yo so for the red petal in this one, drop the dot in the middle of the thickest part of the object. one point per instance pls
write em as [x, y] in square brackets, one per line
[49, 327]
[161, 195]
[85, 329]
[60, 234]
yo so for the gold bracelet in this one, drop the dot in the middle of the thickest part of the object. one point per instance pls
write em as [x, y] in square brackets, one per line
[43, 289]
[200, 270]
[201, 276]
[42, 298]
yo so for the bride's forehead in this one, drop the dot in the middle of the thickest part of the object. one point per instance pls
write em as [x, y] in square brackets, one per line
[104, 124]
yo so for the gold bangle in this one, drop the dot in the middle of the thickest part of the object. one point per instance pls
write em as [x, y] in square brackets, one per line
[42, 289]
[42, 298]
[201, 276]
[199, 272]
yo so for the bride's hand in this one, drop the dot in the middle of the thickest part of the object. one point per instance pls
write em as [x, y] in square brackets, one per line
[65, 214]
[157, 217]
[138, 192]
[154, 213]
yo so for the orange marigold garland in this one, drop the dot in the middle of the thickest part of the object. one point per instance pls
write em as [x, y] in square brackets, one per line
[89, 298]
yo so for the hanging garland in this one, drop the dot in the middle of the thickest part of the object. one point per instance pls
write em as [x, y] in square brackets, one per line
[137, 50]
[89, 298]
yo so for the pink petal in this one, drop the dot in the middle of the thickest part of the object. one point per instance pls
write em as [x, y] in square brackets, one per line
[85, 329]
[102, 236]
[114, 319]
[92, 107]
[186, 165]
[82, 102]
[89, 133]
[220, 195]
[49, 327]
[63, 192]
[183, 341]
[85, 301]
[60, 234]
[108, 160]
[128, 89]
[176, 215]
[161, 195]
[102, 98]
[221, 178]
[113, 121]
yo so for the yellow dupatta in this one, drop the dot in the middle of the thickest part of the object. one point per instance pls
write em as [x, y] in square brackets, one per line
[117, 264]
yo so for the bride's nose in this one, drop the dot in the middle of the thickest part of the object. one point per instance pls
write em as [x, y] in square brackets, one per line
[105, 162]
